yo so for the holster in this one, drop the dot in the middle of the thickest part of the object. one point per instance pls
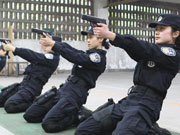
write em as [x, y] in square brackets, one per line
[103, 115]
[42, 99]
[109, 102]
[8, 92]
[84, 113]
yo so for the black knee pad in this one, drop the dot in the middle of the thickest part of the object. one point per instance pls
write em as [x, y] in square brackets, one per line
[10, 108]
[35, 113]
[51, 127]
[32, 119]
[80, 132]
[16, 108]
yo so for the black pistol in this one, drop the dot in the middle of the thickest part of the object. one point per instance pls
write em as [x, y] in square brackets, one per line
[40, 32]
[93, 20]
[4, 40]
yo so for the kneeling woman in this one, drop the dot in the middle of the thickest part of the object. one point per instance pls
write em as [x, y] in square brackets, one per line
[18, 97]
[88, 66]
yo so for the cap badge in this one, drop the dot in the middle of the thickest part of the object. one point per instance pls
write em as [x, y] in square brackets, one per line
[90, 28]
[160, 19]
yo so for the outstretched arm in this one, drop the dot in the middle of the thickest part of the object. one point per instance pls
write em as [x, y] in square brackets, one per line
[138, 49]
[68, 52]
[29, 55]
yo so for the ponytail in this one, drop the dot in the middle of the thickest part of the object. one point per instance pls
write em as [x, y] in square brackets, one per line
[177, 42]
[106, 44]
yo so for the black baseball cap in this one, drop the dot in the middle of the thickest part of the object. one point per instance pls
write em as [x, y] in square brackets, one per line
[89, 31]
[168, 20]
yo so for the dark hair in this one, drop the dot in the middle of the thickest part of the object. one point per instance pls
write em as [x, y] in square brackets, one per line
[106, 43]
[177, 42]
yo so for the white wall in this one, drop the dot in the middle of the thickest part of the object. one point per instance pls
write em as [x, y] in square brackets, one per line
[118, 59]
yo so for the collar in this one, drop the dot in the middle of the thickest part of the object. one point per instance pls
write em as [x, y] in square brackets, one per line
[167, 45]
[96, 50]
[53, 53]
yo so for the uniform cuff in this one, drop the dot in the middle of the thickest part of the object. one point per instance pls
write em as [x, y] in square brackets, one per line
[55, 38]
[117, 40]
[17, 50]
[56, 46]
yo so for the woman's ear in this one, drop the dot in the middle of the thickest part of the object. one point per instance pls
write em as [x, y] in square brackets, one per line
[176, 34]
[100, 39]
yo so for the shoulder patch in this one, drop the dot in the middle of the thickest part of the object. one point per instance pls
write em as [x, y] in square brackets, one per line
[95, 57]
[168, 51]
[49, 56]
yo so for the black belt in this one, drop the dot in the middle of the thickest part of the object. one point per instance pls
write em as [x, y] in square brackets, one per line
[33, 79]
[77, 80]
[146, 91]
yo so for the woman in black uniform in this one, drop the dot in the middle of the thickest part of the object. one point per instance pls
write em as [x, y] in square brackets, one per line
[157, 65]
[37, 73]
[88, 66]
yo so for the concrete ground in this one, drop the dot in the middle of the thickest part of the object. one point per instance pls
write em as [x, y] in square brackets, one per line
[115, 85]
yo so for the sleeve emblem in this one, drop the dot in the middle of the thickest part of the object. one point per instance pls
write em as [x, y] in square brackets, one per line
[49, 56]
[168, 51]
[95, 57]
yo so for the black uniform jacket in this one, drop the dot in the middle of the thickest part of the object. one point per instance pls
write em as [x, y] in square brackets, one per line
[87, 65]
[41, 65]
[156, 65]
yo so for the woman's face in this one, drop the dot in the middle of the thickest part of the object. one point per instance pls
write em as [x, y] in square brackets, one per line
[164, 35]
[94, 42]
